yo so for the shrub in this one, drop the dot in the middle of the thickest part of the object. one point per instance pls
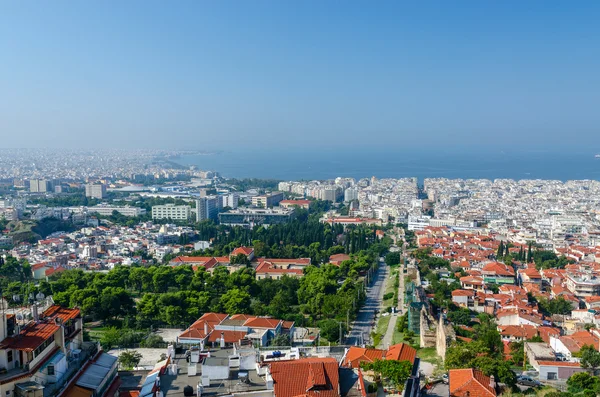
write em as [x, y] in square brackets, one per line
[152, 340]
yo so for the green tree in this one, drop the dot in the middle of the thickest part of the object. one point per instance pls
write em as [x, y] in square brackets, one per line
[555, 306]
[236, 301]
[500, 252]
[392, 258]
[280, 340]
[330, 330]
[396, 372]
[583, 381]
[152, 341]
[590, 358]
[110, 338]
[461, 316]
[129, 359]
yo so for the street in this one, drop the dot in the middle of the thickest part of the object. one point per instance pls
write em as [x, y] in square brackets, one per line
[361, 327]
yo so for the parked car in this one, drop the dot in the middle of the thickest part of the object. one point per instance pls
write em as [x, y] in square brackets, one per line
[445, 378]
[527, 381]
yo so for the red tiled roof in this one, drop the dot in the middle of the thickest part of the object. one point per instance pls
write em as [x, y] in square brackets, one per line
[262, 322]
[295, 202]
[191, 259]
[499, 269]
[242, 250]
[339, 258]
[63, 313]
[518, 331]
[463, 292]
[298, 261]
[401, 352]
[39, 266]
[560, 364]
[31, 337]
[469, 382]
[357, 355]
[287, 324]
[230, 336]
[53, 270]
[312, 377]
[196, 330]
[269, 267]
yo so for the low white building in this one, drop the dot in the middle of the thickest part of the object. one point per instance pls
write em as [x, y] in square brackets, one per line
[172, 211]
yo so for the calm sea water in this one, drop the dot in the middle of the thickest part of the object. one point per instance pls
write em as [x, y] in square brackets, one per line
[321, 164]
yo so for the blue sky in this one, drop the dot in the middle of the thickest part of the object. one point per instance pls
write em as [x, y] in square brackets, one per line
[211, 74]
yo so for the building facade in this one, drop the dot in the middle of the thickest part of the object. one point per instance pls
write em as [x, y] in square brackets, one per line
[95, 190]
[172, 211]
[207, 208]
[268, 200]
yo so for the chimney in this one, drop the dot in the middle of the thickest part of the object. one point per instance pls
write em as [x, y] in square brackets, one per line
[205, 328]
[34, 313]
[493, 382]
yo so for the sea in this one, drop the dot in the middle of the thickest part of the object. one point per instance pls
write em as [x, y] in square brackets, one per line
[322, 164]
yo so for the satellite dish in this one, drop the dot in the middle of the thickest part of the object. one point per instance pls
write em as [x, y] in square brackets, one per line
[19, 317]
[16, 298]
[40, 296]
[58, 321]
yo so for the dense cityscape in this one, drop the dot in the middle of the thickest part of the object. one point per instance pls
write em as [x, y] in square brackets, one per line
[226, 285]
[299, 199]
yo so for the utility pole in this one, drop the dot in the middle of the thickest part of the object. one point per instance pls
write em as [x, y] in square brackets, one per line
[348, 319]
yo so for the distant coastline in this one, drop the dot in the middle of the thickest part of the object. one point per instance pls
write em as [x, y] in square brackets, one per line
[420, 163]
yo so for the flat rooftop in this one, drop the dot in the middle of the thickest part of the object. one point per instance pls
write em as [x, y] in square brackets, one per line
[174, 385]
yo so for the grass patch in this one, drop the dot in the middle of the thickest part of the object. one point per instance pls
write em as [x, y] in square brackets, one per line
[389, 288]
[380, 329]
[397, 337]
[429, 354]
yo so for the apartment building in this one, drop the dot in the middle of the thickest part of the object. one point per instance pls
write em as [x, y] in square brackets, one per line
[248, 217]
[39, 186]
[45, 354]
[95, 190]
[268, 200]
[583, 286]
[230, 200]
[107, 210]
[172, 211]
[207, 208]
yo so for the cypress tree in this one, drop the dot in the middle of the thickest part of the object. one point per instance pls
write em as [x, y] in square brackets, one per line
[500, 250]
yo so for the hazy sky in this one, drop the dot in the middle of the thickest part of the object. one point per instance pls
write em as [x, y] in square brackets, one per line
[203, 74]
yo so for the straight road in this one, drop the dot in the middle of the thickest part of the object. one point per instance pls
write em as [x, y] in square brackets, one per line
[361, 327]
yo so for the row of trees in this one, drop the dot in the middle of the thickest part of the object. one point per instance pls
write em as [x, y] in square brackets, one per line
[142, 296]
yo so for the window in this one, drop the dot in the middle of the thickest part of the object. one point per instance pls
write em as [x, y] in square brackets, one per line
[552, 376]
[50, 370]
[10, 356]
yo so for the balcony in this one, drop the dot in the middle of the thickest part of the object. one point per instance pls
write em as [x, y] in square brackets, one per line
[74, 364]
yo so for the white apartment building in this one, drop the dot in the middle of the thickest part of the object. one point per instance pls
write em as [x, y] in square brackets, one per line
[230, 200]
[351, 194]
[39, 186]
[95, 190]
[587, 285]
[172, 211]
[107, 210]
